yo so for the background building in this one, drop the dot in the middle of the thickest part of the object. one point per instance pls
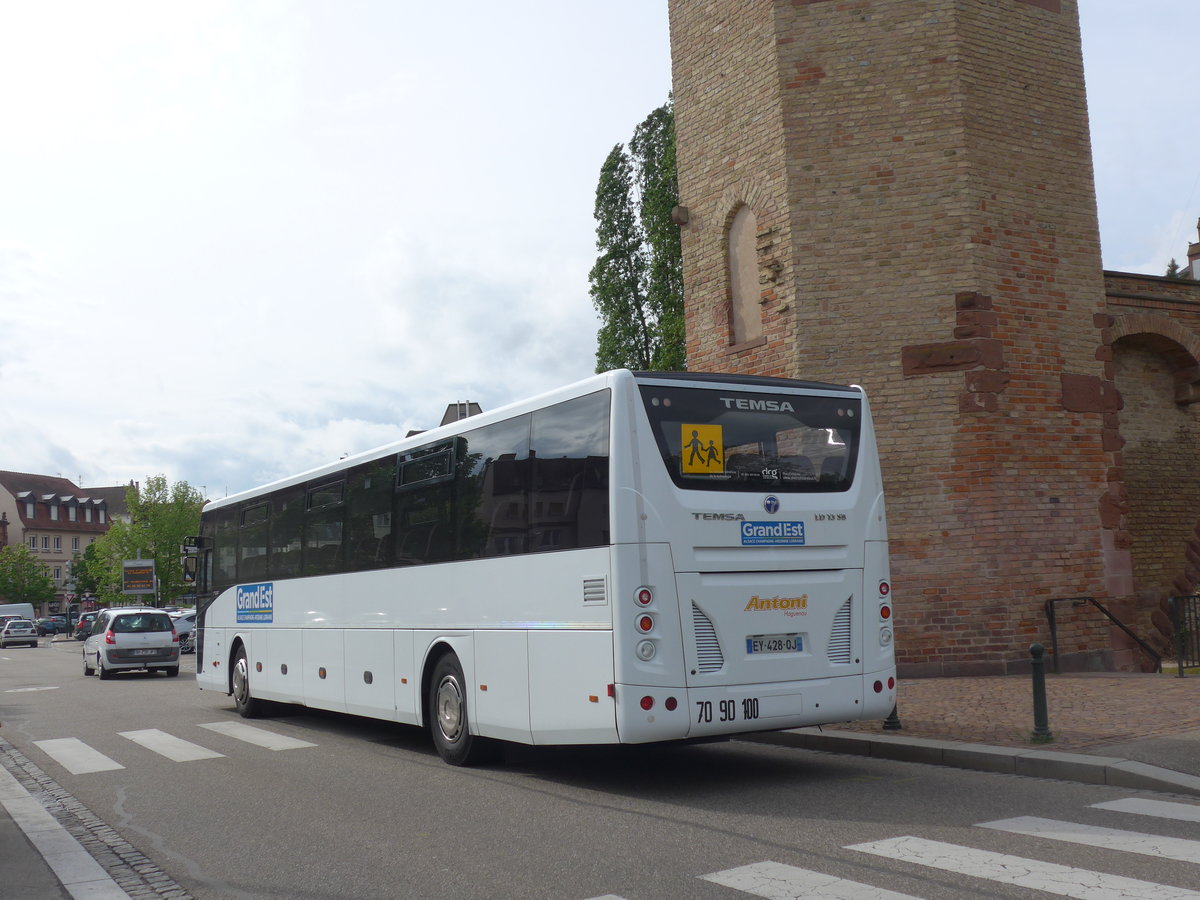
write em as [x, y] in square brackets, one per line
[56, 520]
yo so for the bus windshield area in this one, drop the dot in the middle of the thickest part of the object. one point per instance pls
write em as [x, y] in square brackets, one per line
[723, 440]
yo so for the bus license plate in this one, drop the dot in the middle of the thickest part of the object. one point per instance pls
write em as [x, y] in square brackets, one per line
[774, 643]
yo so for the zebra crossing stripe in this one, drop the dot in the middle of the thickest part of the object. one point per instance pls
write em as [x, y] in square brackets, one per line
[1163, 809]
[173, 748]
[776, 881]
[77, 757]
[260, 737]
[1065, 881]
[1104, 838]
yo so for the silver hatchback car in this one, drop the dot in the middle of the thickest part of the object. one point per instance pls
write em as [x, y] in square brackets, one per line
[131, 637]
[18, 631]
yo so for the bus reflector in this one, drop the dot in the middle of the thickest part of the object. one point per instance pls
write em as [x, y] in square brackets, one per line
[884, 589]
[647, 702]
[879, 687]
[885, 612]
[671, 704]
[645, 623]
[592, 698]
[644, 596]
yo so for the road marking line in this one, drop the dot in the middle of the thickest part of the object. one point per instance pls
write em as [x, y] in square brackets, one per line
[260, 737]
[77, 757]
[1065, 881]
[173, 748]
[1163, 809]
[1104, 838]
[53, 687]
[776, 881]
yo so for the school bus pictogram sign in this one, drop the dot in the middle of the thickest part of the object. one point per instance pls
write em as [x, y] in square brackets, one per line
[703, 450]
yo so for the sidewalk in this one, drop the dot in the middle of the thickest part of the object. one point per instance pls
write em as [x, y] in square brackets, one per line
[1128, 730]
[1123, 729]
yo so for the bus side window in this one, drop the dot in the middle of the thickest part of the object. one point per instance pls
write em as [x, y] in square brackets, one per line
[286, 528]
[369, 516]
[569, 496]
[323, 529]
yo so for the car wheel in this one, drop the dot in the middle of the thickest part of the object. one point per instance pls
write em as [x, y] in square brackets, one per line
[448, 721]
[172, 672]
[247, 706]
[103, 672]
[87, 670]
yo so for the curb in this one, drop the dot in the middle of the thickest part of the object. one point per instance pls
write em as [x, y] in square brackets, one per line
[1078, 767]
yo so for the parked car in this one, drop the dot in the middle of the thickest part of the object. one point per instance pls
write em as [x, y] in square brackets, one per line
[131, 637]
[18, 631]
[185, 621]
[46, 625]
[84, 626]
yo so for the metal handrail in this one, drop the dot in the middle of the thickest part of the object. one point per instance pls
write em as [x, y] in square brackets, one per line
[1185, 621]
[1081, 601]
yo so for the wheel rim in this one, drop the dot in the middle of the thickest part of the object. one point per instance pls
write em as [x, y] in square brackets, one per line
[450, 709]
[241, 681]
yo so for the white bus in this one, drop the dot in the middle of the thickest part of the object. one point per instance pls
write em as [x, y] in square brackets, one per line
[632, 558]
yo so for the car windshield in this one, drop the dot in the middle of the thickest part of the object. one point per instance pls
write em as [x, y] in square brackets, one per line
[141, 622]
[19, 623]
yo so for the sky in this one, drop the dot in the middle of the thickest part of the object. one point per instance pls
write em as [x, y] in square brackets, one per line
[243, 238]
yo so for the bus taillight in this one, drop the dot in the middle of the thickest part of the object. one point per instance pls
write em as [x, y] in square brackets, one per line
[645, 624]
[671, 703]
[884, 589]
[647, 703]
[885, 611]
[644, 596]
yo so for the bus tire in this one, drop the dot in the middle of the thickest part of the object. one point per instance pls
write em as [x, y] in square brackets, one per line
[247, 706]
[448, 721]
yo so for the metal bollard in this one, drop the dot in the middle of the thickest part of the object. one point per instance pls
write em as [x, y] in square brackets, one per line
[892, 722]
[1041, 724]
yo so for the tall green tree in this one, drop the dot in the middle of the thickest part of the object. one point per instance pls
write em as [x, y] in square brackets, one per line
[637, 281]
[23, 577]
[160, 516]
[1178, 272]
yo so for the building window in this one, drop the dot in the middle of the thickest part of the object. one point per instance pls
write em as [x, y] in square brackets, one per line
[57, 573]
[45, 542]
[73, 513]
[53, 512]
[102, 515]
[32, 542]
[74, 543]
[87, 514]
[57, 542]
[29, 509]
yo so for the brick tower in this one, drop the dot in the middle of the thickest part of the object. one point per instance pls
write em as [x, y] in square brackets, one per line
[899, 194]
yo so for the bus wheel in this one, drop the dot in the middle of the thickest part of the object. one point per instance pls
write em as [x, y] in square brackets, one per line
[448, 717]
[247, 706]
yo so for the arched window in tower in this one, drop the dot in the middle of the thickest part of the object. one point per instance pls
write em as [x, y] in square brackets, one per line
[744, 291]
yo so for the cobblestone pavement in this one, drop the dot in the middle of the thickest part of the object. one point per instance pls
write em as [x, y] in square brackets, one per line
[1085, 711]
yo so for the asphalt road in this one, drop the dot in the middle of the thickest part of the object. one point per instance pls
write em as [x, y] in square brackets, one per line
[352, 808]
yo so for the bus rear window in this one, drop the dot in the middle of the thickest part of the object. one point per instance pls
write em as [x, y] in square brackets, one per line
[721, 440]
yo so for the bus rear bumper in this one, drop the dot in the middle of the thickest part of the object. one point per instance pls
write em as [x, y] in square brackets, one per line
[647, 714]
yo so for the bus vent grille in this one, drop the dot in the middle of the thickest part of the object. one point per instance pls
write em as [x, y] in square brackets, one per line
[839, 637]
[708, 649]
[595, 590]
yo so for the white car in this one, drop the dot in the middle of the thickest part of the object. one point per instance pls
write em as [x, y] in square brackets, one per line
[131, 637]
[18, 631]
